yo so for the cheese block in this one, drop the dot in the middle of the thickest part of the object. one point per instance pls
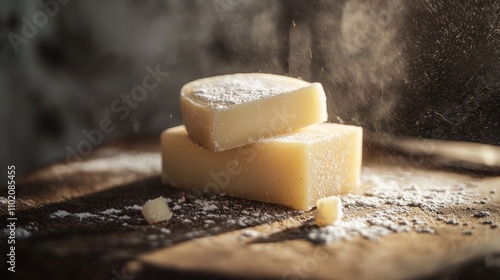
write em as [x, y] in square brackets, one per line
[294, 169]
[229, 111]
[329, 211]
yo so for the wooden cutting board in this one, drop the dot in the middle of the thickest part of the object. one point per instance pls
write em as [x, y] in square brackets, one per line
[82, 220]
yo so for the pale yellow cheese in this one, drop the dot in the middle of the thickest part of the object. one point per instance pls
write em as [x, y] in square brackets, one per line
[156, 210]
[329, 211]
[229, 111]
[294, 169]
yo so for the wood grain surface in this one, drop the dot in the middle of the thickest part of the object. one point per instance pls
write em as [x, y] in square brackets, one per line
[94, 242]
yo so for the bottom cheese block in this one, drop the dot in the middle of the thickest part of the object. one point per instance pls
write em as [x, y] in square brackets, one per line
[293, 169]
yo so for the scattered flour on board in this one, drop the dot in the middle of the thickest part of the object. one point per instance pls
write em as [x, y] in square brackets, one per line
[388, 206]
[108, 214]
[19, 232]
[134, 207]
[111, 211]
[60, 214]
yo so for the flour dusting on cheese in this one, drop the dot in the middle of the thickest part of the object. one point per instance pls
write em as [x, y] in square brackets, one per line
[224, 91]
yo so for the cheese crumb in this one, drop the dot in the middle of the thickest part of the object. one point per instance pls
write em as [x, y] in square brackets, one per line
[156, 210]
[329, 211]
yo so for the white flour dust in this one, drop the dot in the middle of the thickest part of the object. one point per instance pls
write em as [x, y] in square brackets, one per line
[107, 215]
[388, 204]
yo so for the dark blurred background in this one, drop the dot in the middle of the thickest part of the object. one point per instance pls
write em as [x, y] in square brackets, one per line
[76, 74]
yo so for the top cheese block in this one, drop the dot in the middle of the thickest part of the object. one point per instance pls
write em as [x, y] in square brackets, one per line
[229, 111]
